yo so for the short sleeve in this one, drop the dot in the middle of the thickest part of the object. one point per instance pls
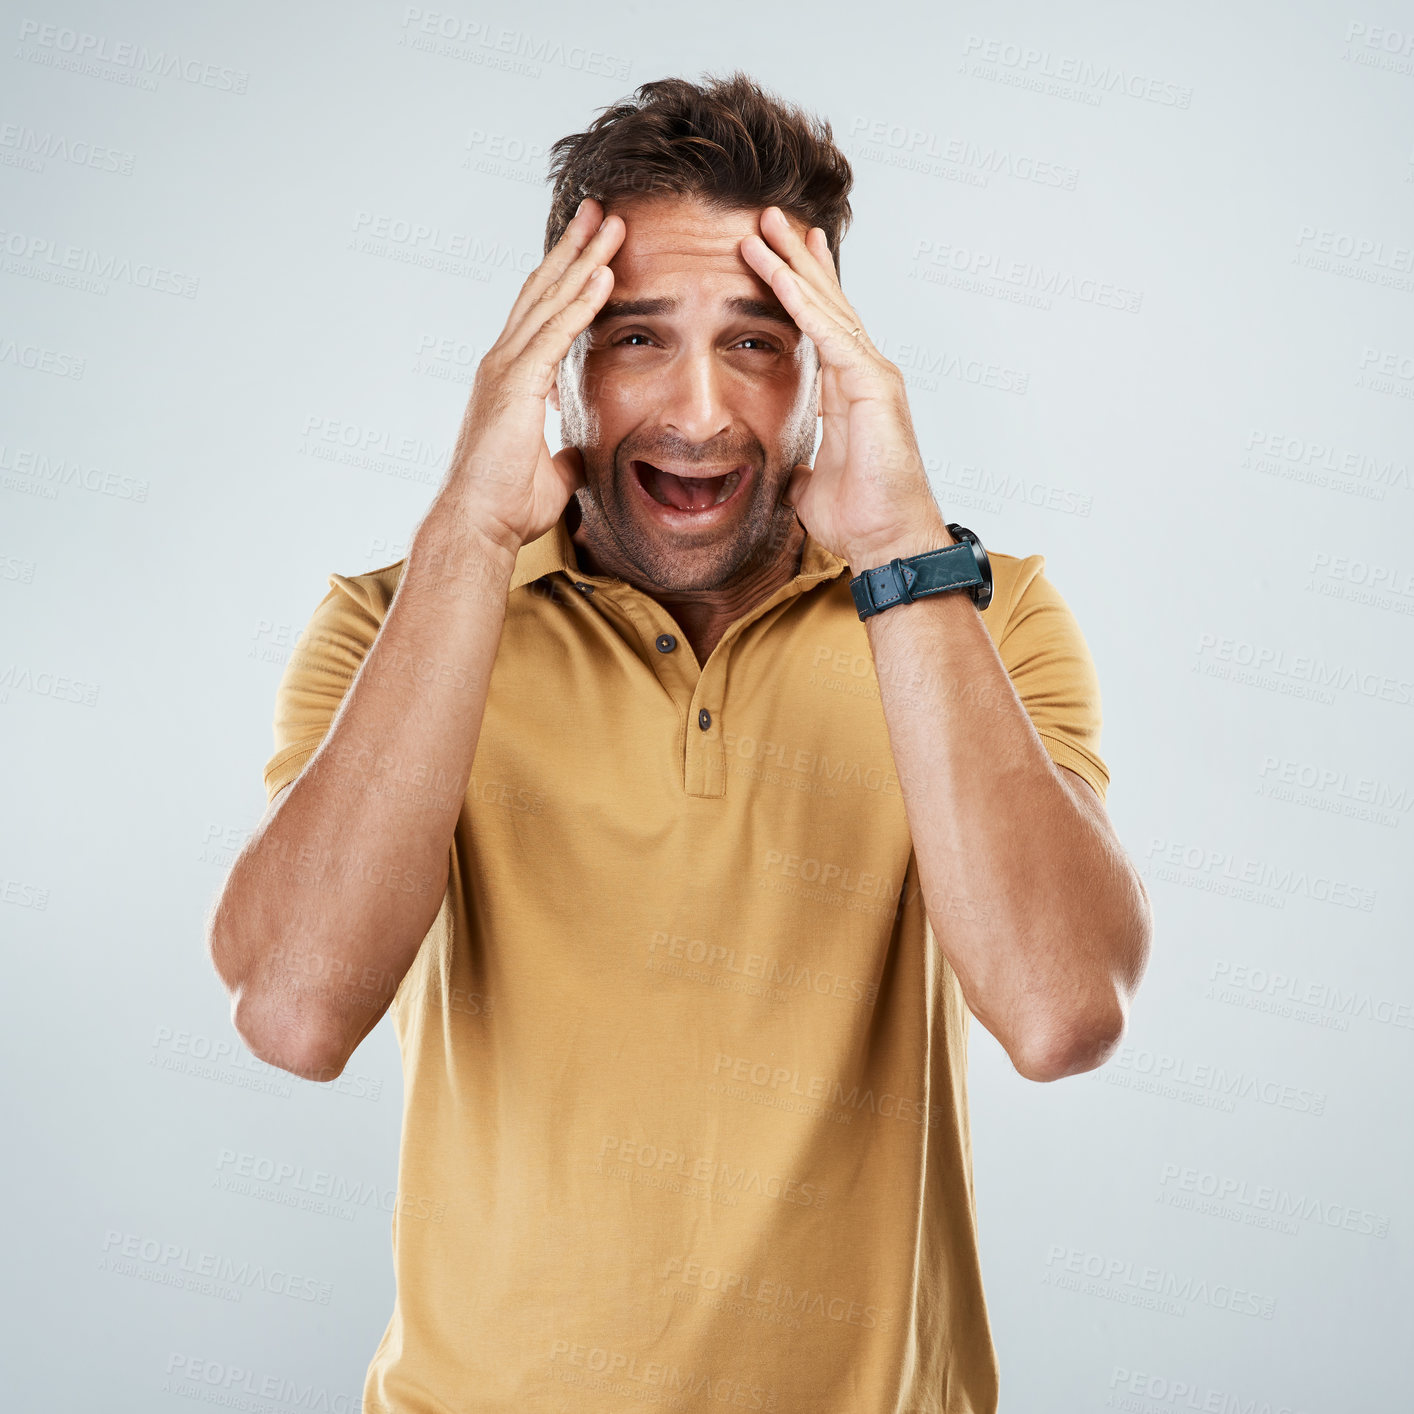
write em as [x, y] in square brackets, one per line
[321, 668]
[1050, 666]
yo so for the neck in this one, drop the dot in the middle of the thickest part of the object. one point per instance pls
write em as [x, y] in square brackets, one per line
[704, 615]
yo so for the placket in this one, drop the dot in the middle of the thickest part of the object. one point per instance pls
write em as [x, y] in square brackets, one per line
[699, 691]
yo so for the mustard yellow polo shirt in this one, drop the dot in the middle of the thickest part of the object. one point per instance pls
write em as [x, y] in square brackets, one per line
[686, 1114]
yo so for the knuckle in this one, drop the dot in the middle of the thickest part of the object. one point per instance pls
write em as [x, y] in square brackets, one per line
[563, 318]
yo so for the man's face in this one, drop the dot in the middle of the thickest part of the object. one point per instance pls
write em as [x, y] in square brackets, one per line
[712, 377]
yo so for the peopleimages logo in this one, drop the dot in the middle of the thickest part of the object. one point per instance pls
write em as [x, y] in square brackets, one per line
[41, 257]
[236, 1387]
[53, 472]
[1266, 1199]
[516, 51]
[1334, 791]
[1140, 1391]
[772, 975]
[1132, 1065]
[787, 1084]
[1297, 674]
[1318, 462]
[777, 1293]
[1290, 993]
[1117, 1278]
[919, 150]
[176, 1264]
[985, 57]
[1167, 857]
[82, 52]
[708, 1170]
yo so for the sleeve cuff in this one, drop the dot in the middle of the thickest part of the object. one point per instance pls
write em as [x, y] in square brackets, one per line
[287, 763]
[1065, 753]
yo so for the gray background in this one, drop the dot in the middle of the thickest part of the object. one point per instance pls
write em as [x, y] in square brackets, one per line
[1218, 474]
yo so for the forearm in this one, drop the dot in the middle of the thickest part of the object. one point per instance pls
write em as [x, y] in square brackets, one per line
[1032, 901]
[325, 909]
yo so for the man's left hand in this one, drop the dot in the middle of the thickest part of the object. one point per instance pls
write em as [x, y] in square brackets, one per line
[867, 497]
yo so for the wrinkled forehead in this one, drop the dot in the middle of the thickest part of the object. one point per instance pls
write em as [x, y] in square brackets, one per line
[674, 244]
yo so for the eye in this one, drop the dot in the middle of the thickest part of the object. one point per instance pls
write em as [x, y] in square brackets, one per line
[623, 341]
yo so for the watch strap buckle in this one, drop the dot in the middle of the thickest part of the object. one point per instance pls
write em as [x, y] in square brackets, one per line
[904, 575]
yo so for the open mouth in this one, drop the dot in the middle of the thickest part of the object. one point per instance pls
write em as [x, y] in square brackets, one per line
[690, 493]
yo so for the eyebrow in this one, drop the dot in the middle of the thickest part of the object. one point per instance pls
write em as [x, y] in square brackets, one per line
[747, 306]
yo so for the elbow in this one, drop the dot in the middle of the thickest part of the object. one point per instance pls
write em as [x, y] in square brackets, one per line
[300, 1041]
[1084, 1044]
[1086, 1037]
[311, 1050]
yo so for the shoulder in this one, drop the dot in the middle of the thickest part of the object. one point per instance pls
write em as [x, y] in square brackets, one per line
[1016, 582]
[372, 590]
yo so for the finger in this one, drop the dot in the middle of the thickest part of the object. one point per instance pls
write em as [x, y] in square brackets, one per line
[534, 366]
[781, 237]
[816, 238]
[568, 464]
[584, 228]
[835, 343]
[559, 294]
[819, 242]
[532, 308]
[824, 321]
[578, 232]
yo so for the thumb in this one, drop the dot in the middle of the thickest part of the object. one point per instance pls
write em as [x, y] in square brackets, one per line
[799, 477]
[569, 467]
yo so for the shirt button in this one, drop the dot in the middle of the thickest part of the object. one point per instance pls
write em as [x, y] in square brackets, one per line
[704, 719]
[583, 588]
[666, 643]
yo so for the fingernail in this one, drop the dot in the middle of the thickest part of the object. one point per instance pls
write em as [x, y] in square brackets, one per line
[580, 207]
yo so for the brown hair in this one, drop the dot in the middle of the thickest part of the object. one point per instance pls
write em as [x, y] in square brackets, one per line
[727, 141]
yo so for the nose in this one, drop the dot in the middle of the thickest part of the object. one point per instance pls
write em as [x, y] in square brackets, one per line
[693, 405]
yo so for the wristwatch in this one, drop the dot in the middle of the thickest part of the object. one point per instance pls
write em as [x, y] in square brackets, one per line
[901, 581]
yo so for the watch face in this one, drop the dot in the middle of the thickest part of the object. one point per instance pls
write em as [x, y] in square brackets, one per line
[982, 594]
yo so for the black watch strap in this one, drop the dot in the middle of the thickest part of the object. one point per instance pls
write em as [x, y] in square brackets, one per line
[901, 581]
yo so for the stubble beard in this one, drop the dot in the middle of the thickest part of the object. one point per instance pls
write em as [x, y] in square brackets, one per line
[764, 534]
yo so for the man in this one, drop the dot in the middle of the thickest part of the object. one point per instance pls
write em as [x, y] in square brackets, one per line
[680, 877]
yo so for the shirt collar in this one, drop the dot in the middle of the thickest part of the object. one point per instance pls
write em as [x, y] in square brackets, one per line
[555, 551]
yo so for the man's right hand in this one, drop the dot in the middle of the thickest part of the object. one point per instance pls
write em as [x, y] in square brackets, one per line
[303, 907]
[502, 477]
